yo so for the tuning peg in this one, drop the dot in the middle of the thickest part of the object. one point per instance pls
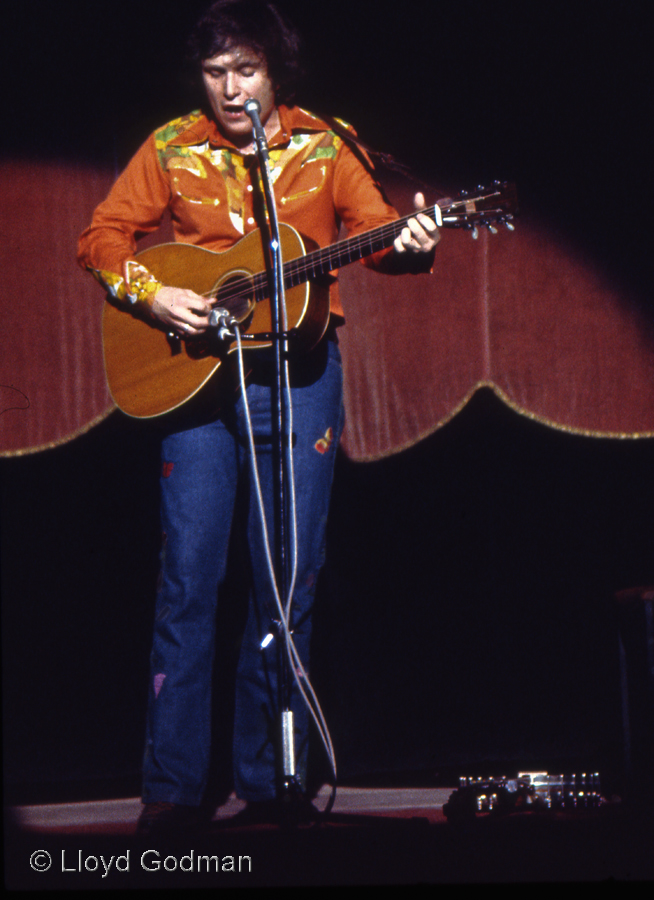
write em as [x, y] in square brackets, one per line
[510, 226]
[492, 228]
[474, 233]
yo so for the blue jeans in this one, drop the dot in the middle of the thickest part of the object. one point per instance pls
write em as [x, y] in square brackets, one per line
[202, 469]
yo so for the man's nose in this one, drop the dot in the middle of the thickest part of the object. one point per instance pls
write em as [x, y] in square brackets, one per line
[231, 84]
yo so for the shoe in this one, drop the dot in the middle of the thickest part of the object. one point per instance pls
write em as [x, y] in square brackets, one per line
[164, 818]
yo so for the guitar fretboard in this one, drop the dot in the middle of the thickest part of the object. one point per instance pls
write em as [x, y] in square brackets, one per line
[320, 262]
[496, 204]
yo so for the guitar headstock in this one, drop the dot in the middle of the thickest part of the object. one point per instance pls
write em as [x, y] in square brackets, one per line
[486, 206]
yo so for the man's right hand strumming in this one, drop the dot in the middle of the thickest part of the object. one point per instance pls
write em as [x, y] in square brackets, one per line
[182, 310]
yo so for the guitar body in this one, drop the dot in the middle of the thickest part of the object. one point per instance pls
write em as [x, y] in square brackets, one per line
[151, 373]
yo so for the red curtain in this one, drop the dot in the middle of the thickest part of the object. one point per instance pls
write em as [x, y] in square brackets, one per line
[52, 384]
[520, 312]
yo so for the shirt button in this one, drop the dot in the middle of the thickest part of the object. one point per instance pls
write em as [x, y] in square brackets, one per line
[250, 221]
[249, 188]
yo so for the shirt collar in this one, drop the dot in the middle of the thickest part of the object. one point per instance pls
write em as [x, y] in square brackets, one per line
[293, 120]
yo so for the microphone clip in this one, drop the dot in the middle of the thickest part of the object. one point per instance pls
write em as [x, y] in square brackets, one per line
[224, 321]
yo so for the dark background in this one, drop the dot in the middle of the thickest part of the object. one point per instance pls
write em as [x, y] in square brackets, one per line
[466, 619]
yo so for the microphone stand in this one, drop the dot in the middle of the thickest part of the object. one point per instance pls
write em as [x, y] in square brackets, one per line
[291, 788]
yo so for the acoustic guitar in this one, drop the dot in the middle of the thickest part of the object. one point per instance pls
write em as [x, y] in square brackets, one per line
[151, 372]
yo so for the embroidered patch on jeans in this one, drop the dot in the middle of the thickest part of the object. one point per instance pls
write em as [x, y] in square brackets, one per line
[323, 445]
[166, 469]
[158, 682]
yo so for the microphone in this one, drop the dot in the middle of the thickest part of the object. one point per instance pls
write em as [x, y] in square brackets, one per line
[252, 108]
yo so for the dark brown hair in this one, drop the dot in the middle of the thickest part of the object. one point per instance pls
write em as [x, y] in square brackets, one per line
[255, 24]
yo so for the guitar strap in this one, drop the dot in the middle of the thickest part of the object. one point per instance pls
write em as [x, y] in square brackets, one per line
[387, 159]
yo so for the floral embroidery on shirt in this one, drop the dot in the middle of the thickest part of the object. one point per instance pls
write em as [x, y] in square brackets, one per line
[138, 286]
[193, 158]
[142, 286]
[168, 133]
[235, 175]
[112, 283]
[190, 162]
[316, 147]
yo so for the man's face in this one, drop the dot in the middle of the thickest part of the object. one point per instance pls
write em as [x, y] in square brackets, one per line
[231, 78]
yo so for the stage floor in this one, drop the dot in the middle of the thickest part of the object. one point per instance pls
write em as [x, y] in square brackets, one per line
[374, 836]
[121, 815]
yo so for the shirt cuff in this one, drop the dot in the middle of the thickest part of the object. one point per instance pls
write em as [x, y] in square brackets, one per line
[137, 286]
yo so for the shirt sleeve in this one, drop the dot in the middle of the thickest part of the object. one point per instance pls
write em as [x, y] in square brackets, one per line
[135, 207]
[362, 205]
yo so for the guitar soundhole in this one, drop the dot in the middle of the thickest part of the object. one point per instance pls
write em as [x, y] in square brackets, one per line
[236, 294]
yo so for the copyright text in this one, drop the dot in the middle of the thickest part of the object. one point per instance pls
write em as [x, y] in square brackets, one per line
[148, 861]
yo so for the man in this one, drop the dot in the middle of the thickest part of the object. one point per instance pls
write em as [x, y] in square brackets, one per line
[202, 168]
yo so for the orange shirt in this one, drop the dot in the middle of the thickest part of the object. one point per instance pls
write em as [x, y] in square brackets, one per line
[210, 189]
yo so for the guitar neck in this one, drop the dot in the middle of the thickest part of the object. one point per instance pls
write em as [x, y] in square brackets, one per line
[342, 253]
[495, 204]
